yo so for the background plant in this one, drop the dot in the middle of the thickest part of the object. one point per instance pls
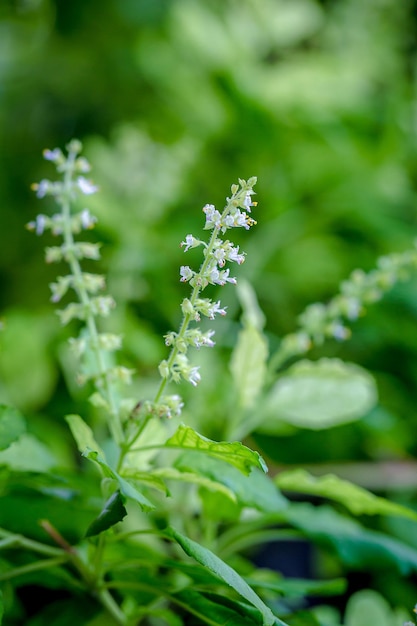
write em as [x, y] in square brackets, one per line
[283, 91]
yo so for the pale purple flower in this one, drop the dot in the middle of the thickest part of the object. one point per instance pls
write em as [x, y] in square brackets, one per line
[54, 155]
[42, 188]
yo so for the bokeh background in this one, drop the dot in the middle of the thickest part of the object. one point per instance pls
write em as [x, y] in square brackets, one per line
[174, 100]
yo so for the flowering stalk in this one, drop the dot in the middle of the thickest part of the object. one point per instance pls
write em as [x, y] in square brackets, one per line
[216, 254]
[85, 285]
[328, 321]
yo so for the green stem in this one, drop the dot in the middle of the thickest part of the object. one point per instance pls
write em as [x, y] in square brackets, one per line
[197, 289]
[10, 540]
[33, 567]
[109, 603]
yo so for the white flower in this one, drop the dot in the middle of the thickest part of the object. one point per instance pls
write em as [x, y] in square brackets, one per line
[190, 242]
[86, 186]
[213, 217]
[87, 220]
[186, 273]
[233, 255]
[215, 308]
[247, 202]
[193, 376]
[214, 276]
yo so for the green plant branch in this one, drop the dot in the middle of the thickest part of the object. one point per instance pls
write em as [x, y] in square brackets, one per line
[319, 321]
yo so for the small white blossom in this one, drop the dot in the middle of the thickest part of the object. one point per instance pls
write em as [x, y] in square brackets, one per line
[42, 188]
[205, 339]
[213, 217]
[186, 273]
[86, 186]
[87, 220]
[214, 276]
[247, 202]
[193, 376]
[233, 255]
[215, 308]
[338, 331]
[39, 224]
[190, 242]
[82, 165]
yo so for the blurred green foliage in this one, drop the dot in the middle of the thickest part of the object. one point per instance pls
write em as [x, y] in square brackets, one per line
[175, 99]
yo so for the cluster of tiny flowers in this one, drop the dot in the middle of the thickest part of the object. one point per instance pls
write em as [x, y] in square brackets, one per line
[85, 285]
[217, 253]
[168, 406]
[328, 321]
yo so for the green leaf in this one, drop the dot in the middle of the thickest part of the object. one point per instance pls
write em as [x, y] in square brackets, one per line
[1, 607]
[356, 546]
[248, 365]
[171, 473]
[83, 434]
[234, 453]
[369, 607]
[226, 573]
[215, 610]
[154, 479]
[252, 312]
[126, 487]
[112, 513]
[358, 500]
[295, 587]
[12, 425]
[319, 395]
[28, 454]
[254, 490]
[26, 365]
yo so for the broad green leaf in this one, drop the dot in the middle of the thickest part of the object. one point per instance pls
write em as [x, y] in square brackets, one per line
[153, 480]
[218, 508]
[112, 513]
[254, 490]
[1, 607]
[224, 572]
[358, 500]
[171, 473]
[319, 395]
[28, 454]
[248, 365]
[83, 434]
[126, 487]
[26, 365]
[356, 546]
[12, 425]
[369, 607]
[234, 453]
